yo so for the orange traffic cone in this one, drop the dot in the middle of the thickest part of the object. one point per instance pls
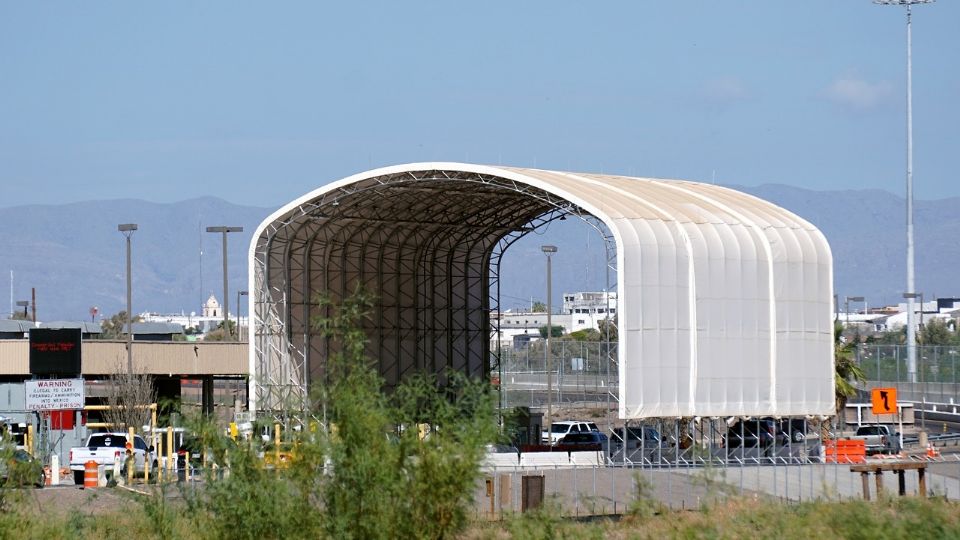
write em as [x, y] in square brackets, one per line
[932, 451]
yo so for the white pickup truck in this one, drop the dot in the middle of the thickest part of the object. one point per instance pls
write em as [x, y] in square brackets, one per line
[104, 448]
[878, 438]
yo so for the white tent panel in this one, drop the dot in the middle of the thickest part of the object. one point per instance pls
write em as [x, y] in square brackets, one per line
[759, 279]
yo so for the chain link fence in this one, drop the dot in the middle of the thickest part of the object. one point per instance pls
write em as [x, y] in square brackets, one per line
[587, 372]
[936, 378]
[580, 373]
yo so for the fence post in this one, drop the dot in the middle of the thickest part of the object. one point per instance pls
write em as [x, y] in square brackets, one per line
[132, 462]
[613, 482]
[170, 454]
[576, 492]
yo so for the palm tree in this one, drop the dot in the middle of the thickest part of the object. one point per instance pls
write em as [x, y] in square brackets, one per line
[846, 370]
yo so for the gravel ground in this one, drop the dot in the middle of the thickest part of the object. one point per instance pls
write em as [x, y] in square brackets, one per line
[67, 498]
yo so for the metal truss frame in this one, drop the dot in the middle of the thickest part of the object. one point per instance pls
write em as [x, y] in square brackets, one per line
[427, 244]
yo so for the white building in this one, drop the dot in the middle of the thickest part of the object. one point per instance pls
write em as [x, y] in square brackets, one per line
[924, 313]
[211, 308]
[590, 303]
[210, 318]
[580, 311]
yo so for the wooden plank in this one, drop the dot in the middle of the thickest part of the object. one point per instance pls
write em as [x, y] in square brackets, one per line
[889, 466]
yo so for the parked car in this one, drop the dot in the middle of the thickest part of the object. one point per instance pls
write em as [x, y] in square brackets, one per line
[637, 437]
[562, 428]
[642, 443]
[15, 431]
[794, 428]
[21, 469]
[190, 446]
[585, 440]
[502, 449]
[754, 433]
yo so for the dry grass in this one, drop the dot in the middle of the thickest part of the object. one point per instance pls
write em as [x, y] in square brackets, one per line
[734, 519]
[750, 518]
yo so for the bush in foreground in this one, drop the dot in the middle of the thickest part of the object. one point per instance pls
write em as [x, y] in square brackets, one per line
[368, 473]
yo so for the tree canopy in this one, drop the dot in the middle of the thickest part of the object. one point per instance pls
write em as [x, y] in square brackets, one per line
[115, 326]
[847, 372]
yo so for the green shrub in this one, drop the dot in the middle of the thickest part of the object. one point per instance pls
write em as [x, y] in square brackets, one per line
[366, 474]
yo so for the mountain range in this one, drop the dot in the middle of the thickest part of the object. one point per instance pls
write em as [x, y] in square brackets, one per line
[74, 257]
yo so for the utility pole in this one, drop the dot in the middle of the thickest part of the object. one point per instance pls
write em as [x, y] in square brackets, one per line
[548, 356]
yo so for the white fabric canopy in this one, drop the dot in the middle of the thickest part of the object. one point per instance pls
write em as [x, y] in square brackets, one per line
[724, 300]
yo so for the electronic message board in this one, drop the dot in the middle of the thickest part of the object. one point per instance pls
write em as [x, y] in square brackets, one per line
[55, 351]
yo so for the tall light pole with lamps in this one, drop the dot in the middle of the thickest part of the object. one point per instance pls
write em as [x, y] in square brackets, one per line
[226, 308]
[547, 353]
[911, 331]
[127, 229]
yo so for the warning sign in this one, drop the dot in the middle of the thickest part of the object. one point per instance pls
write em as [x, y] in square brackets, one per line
[884, 400]
[54, 394]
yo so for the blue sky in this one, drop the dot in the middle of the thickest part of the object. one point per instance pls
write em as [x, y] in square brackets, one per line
[260, 102]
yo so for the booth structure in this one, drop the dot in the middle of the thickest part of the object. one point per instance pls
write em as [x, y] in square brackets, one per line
[724, 301]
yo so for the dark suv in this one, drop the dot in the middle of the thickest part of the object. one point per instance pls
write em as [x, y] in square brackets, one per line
[753, 433]
[591, 440]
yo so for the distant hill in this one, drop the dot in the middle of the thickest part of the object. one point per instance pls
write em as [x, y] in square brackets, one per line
[867, 233]
[75, 258]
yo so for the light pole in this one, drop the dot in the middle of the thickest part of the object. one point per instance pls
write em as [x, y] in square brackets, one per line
[549, 251]
[912, 335]
[226, 308]
[127, 230]
[846, 304]
[911, 331]
[911, 296]
[239, 333]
